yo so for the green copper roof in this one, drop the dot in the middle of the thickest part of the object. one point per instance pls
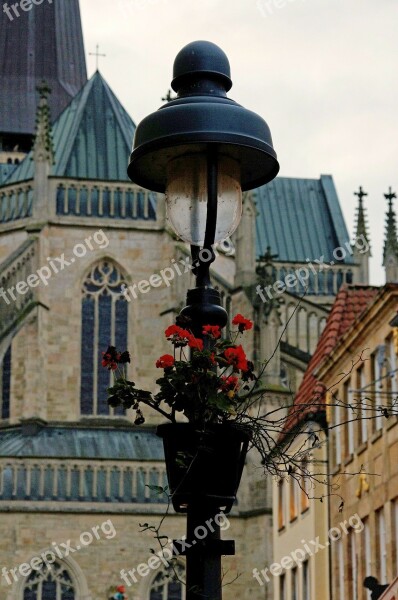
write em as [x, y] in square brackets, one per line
[92, 137]
[5, 171]
[81, 442]
[300, 219]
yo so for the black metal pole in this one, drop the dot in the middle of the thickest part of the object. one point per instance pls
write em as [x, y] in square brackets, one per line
[203, 559]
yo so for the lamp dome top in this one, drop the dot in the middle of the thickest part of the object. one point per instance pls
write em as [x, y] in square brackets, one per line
[201, 58]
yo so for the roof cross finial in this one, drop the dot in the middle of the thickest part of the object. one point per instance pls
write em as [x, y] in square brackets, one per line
[361, 194]
[390, 196]
[168, 97]
[97, 55]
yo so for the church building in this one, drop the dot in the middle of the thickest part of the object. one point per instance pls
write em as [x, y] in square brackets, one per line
[76, 239]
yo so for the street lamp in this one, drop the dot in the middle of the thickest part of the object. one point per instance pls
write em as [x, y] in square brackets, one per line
[202, 150]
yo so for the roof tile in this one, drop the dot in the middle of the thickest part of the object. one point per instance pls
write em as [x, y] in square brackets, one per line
[350, 303]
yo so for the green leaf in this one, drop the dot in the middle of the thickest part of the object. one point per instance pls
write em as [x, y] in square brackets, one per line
[156, 488]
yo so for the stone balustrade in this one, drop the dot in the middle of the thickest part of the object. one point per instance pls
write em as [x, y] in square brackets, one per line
[85, 481]
[16, 202]
[322, 280]
[105, 200]
[74, 198]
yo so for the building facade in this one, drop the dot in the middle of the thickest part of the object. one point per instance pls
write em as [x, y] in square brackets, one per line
[362, 455]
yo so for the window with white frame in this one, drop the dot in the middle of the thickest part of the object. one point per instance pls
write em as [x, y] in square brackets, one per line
[282, 587]
[361, 398]
[367, 548]
[395, 525]
[337, 421]
[306, 595]
[382, 545]
[281, 503]
[49, 584]
[378, 359]
[393, 366]
[294, 495]
[295, 584]
[305, 484]
[353, 565]
[391, 374]
[340, 567]
[350, 416]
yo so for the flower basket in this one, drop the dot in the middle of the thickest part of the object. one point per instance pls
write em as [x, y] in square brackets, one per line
[204, 466]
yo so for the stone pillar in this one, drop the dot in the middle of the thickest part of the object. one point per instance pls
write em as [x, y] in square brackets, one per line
[245, 244]
[269, 347]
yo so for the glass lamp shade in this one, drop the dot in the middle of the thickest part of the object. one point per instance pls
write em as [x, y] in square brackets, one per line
[186, 197]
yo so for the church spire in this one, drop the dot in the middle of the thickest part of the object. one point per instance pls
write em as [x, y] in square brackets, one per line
[362, 236]
[43, 43]
[361, 224]
[390, 253]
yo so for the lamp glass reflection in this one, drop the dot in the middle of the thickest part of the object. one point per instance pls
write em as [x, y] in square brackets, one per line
[186, 197]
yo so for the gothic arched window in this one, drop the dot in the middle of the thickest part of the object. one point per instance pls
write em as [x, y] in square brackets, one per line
[168, 585]
[49, 584]
[104, 323]
[5, 384]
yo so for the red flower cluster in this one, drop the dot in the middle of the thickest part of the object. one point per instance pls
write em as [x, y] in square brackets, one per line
[166, 361]
[230, 384]
[111, 358]
[243, 324]
[177, 335]
[195, 343]
[212, 330]
[236, 357]
[181, 337]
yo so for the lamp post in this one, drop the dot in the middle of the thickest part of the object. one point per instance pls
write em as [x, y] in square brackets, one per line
[202, 150]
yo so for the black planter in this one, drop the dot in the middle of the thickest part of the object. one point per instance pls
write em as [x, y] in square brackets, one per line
[204, 466]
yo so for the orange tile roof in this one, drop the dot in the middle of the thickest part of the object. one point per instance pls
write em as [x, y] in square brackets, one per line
[350, 303]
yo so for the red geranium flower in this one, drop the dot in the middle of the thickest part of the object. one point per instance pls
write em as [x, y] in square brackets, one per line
[108, 362]
[195, 343]
[165, 361]
[177, 335]
[110, 358]
[230, 384]
[212, 330]
[243, 324]
[236, 357]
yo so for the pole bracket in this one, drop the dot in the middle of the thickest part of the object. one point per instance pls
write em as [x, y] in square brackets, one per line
[209, 546]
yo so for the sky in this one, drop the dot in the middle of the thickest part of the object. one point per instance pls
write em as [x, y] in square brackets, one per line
[322, 73]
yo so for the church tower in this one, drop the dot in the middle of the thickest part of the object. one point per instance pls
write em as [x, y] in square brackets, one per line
[38, 42]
